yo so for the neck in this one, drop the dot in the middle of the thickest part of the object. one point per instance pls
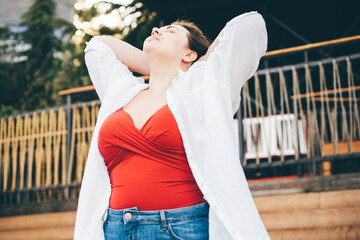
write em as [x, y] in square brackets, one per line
[161, 76]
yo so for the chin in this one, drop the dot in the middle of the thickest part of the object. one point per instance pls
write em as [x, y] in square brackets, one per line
[147, 50]
[156, 51]
[149, 46]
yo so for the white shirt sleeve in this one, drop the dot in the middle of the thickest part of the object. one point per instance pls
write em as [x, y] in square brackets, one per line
[236, 58]
[104, 68]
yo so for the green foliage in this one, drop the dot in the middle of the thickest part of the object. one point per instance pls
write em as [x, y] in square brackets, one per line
[12, 82]
[54, 60]
[41, 65]
[40, 22]
[11, 74]
[30, 82]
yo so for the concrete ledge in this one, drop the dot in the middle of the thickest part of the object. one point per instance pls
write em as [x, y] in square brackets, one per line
[308, 201]
[326, 233]
[53, 233]
[314, 218]
[304, 185]
[38, 221]
[40, 207]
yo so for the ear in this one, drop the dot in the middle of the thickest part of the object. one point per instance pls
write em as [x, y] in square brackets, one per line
[190, 56]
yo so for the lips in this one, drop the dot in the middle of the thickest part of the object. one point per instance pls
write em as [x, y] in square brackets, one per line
[154, 38]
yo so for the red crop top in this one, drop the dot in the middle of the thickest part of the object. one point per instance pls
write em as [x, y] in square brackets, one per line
[148, 168]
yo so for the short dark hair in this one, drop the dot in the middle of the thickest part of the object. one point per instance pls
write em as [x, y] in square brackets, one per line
[198, 42]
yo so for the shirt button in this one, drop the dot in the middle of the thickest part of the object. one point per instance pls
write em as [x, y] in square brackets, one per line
[127, 216]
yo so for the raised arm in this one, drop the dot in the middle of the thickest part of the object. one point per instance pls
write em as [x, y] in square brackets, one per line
[235, 54]
[111, 62]
[129, 55]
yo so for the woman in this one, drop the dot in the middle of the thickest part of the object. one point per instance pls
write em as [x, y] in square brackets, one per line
[163, 161]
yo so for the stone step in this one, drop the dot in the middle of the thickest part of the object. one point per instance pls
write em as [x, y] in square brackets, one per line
[45, 233]
[304, 201]
[311, 218]
[38, 221]
[325, 233]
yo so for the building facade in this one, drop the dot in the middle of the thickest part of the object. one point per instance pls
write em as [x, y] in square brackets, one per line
[11, 11]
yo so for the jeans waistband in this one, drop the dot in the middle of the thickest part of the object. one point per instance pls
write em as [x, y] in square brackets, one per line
[168, 215]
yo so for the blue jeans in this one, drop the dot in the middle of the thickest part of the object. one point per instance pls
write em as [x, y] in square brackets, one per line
[188, 223]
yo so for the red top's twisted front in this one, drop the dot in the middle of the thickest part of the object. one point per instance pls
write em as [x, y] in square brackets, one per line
[148, 167]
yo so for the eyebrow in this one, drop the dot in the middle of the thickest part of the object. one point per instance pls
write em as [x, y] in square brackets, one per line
[172, 26]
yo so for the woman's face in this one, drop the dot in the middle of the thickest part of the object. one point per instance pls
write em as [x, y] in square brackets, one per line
[169, 43]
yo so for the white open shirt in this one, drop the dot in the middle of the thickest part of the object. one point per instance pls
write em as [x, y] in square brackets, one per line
[203, 101]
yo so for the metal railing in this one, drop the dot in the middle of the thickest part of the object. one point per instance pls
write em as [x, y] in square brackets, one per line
[43, 153]
[319, 122]
[289, 115]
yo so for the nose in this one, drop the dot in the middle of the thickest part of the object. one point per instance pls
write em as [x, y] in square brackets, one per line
[155, 30]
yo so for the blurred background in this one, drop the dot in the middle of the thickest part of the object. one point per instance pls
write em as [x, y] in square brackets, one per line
[298, 126]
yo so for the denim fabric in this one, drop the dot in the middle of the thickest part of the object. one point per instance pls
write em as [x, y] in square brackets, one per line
[187, 223]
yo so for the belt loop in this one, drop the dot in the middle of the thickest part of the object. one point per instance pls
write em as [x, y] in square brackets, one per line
[163, 220]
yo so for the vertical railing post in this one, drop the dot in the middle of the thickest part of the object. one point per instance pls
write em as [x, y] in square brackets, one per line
[2, 194]
[241, 139]
[313, 163]
[298, 166]
[306, 57]
[68, 143]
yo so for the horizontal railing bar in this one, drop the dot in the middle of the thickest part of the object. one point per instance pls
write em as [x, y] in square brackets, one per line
[34, 189]
[47, 110]
[318, 99]
[311, 46]
[86, 103]
[76, 90]
[301, 161]
[323, 93]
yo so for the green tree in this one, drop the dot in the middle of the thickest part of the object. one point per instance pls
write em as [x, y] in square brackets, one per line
[12, 76]
[44, 32]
